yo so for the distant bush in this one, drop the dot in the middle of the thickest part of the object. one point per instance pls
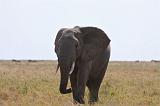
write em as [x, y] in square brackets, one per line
[16, 60]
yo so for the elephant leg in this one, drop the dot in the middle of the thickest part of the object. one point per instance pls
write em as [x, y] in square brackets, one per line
[94, 83]
[82, 77]
[73, 80]
[93, 87]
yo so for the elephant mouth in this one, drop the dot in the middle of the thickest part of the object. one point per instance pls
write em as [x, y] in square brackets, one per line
[71, 70]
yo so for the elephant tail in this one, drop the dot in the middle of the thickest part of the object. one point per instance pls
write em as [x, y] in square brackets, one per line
[57, 68]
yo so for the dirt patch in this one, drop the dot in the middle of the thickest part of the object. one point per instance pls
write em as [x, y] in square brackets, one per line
[4, 96]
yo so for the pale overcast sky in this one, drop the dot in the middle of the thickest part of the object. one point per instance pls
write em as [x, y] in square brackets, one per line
[28, 27]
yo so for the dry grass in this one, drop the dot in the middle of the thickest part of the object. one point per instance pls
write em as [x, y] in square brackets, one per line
[36, 84]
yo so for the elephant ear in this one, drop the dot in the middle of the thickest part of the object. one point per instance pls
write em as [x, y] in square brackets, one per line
[58, 36]
[95, 41]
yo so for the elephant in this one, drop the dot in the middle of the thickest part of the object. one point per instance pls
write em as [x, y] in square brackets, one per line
[83, 55]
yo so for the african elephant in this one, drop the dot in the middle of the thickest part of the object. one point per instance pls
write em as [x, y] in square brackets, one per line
[83, 55]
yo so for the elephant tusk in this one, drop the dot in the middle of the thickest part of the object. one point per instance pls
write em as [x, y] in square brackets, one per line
[75, 39]
[72, 68]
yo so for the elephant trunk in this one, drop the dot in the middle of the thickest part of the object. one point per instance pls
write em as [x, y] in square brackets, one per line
[64, 78]
[63, 84]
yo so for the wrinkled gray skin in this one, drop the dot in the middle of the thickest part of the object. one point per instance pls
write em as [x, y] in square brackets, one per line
[89, 49]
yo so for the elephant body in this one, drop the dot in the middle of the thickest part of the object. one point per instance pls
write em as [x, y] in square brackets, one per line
[83, 55]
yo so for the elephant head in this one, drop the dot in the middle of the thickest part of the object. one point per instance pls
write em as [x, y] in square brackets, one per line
[77, 44]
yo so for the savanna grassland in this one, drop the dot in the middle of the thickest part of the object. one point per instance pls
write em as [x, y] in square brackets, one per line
[34, 83]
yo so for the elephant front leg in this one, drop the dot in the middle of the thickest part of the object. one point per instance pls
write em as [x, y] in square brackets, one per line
[79, 95]
[82, 77]
[76, 90]
[73, 80]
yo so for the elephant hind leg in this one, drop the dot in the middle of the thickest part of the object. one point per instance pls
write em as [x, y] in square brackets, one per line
[93, 91]
[94, 83]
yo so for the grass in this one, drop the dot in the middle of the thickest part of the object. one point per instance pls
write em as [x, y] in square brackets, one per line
[36, 84]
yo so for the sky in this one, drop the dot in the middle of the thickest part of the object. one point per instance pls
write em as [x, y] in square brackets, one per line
[28, 27]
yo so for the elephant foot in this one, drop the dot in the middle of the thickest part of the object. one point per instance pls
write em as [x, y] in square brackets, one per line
[75, 103]
[91, 102]
[79, 100]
